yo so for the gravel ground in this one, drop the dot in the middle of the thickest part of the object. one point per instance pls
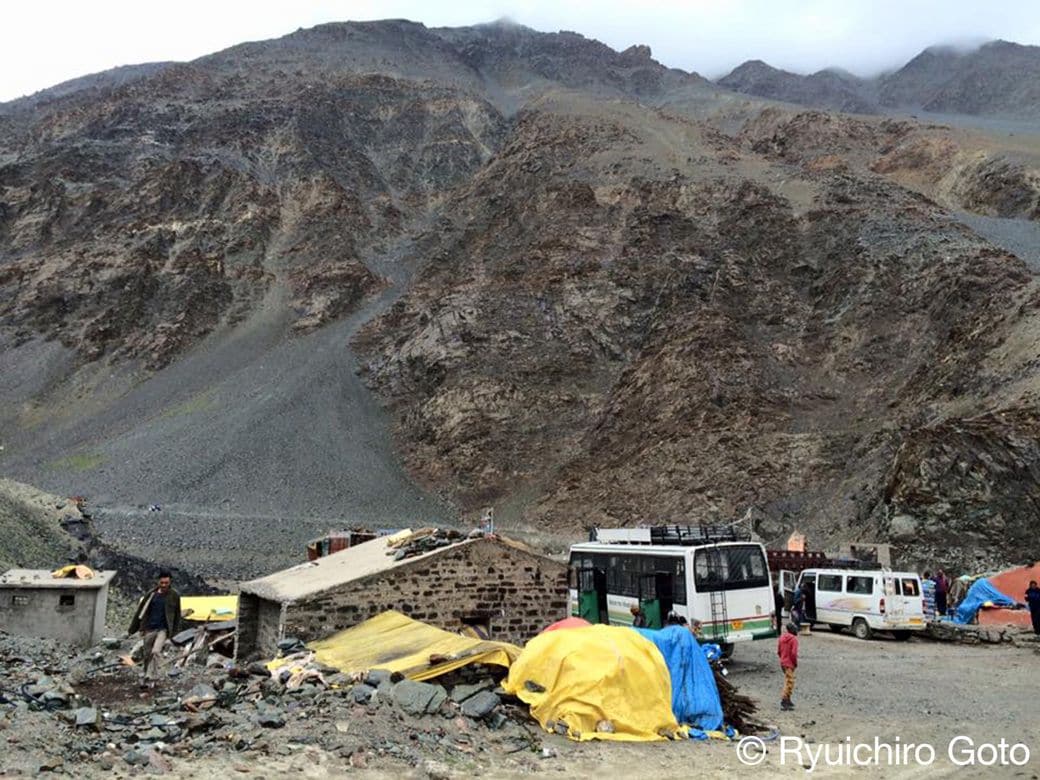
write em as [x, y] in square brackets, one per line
[917, 691]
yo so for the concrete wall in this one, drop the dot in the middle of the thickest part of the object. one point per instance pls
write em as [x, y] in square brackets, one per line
[519, 592]
[27, 611]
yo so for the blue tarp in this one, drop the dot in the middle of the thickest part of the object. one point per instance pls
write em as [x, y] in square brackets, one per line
[979, 593]
[695, 698]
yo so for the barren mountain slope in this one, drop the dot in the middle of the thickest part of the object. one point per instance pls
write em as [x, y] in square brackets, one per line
[572, 304]
[631, 321]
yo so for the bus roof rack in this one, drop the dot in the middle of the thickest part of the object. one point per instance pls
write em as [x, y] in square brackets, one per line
[681, 535]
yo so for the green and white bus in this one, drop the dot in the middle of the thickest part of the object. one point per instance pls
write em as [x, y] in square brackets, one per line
[716, 576]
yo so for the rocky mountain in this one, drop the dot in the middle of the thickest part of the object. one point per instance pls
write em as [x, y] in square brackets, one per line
[378, 273]
[998, 79]
[832, 89]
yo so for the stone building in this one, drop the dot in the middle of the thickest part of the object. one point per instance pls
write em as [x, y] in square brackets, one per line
[35, 603]
[498, 587]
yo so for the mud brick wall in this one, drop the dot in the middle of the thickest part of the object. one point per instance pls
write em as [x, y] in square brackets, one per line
[519, 591]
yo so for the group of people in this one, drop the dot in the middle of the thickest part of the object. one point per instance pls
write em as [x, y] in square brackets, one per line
[936, 593]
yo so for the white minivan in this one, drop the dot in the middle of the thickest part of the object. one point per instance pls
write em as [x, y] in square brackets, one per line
[868, 600]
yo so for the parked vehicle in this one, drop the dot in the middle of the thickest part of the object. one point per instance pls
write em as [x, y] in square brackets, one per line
[715, 576]
[865, 600]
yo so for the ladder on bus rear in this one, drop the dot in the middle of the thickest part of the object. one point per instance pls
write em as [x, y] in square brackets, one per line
[717, 596]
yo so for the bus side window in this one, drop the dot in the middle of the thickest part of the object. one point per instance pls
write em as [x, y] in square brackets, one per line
[910, 588]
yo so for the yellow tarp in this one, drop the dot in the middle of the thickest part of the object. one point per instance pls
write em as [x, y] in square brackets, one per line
[80, 572]
[209, 608]
[601, 682]
[397, 643]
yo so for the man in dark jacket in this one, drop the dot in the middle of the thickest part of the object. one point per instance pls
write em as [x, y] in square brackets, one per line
[157, 618]
[1033, 600]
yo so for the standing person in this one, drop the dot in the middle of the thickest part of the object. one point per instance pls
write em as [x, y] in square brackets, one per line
[157, 618]
[928, 596]
[638, 617]
[942, 587]
[787, 649]
[1033, 600]
[778, 606]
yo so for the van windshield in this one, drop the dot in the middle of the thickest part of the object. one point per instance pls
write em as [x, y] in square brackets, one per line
[730, 568]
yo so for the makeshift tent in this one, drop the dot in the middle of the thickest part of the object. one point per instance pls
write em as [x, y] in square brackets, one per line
[206, 608]
[570, 622]
[695, 697]
[981, 593]
[397, 643]
[596, 682]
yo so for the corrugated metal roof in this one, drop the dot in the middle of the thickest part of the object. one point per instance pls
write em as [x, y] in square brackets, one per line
[41, 578]
[354, 563]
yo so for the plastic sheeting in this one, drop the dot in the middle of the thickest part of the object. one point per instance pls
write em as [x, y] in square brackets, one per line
[695, 697]
[980, 593]
[207, 608]
[596, 682]
[417, 650]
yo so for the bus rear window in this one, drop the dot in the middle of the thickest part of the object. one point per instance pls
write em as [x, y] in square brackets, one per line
[730, 568]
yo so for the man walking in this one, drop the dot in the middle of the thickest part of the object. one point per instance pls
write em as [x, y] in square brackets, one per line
[1033, 600]
[157, 618]
[787, 649]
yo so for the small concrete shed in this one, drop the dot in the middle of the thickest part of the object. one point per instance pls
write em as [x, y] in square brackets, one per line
[35, 603]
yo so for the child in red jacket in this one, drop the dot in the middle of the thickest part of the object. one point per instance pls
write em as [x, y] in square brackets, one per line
[787, 649]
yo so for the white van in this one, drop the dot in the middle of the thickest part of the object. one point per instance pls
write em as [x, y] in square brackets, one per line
[868, 600]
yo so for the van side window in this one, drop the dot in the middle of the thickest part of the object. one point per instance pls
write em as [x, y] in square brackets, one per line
[859, 585]
[830, 583]
[911, 588]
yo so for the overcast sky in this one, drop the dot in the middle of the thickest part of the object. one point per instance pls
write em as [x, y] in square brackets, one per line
[43, 43]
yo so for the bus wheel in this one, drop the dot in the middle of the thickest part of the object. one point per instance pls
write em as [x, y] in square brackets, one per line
[727, 650]
[836, 628]
[902, 636]
[861, 629]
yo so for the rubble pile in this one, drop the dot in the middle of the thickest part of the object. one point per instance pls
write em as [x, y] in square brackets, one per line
[426, 540]
[62, 709]
[946, 631]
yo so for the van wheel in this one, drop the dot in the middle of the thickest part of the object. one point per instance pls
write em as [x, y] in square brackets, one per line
[902, 636]
[727, 650]
[861, 629]
[835, 627]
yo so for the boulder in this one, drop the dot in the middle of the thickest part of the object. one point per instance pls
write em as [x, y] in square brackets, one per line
[480, 705]
[417, 698]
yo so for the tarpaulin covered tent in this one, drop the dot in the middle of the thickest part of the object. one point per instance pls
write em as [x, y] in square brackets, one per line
[981, 593]
[596, 682]
[397, 643]
[695, 697]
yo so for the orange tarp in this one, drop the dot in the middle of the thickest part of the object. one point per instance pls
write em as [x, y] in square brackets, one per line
[1013, 582]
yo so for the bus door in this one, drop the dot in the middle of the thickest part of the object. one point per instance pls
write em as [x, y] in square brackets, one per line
[592, 595]
[656, 594]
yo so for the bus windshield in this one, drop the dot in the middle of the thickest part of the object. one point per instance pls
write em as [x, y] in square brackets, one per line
[730, 567]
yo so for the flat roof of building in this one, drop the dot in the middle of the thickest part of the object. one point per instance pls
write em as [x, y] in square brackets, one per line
[42, 578]
[354, 563]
